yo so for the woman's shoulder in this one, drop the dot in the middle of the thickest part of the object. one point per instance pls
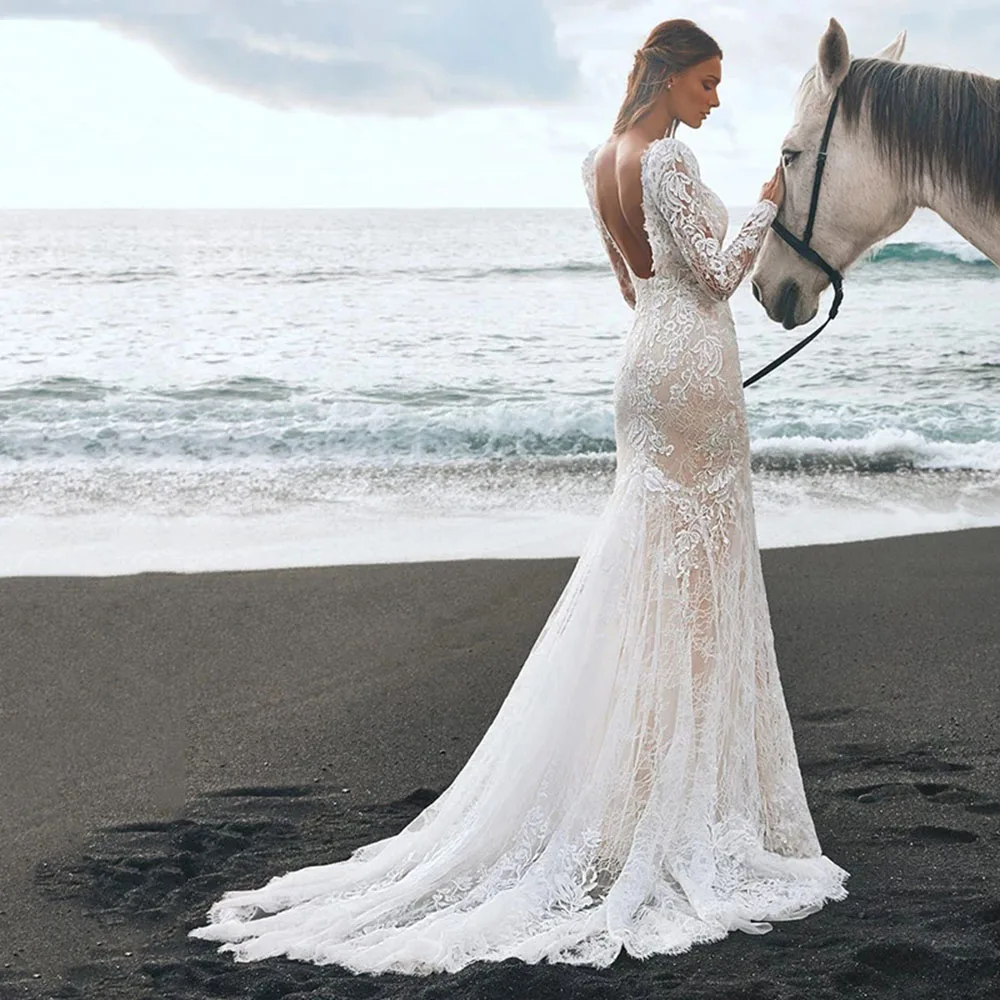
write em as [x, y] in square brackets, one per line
[664, 150]
[669, 153]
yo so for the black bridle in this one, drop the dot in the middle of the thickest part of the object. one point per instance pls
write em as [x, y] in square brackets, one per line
[802, 248]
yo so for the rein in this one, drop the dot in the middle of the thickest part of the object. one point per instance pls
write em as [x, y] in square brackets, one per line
[802, 248]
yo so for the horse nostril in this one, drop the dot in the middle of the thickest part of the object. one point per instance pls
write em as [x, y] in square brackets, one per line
[756, 290]
[788, 299]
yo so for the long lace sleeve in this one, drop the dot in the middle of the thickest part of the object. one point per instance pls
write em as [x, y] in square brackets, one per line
[673, 175]
[618, 264]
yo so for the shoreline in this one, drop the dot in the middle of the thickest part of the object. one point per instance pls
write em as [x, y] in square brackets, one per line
[180, 708]
[117, 544]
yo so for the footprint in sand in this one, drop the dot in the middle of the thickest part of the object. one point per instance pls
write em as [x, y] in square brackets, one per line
[872, 756]
[991, 918]
[931, 790]
[984, 808]
[943, 835]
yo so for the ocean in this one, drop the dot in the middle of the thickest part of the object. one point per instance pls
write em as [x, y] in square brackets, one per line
[249, 389]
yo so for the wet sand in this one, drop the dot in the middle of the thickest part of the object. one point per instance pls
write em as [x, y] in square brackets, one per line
[166, 736]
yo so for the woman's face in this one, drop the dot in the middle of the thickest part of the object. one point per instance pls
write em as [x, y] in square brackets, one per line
[695, 91]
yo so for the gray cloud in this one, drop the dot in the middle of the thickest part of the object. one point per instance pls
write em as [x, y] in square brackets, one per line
[769, 44]
[764, 35]
[407, 57]
[416, 57]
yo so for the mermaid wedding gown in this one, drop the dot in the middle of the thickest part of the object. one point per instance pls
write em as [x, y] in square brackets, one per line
[639, 787]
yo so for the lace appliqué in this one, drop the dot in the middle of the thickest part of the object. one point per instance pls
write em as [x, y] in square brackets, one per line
[679, 399]
[639, 788]
[671, 174]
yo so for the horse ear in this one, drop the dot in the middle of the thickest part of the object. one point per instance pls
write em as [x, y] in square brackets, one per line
[834, 57]
[894, 50]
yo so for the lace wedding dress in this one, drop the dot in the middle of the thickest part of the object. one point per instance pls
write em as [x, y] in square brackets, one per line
[639, 787]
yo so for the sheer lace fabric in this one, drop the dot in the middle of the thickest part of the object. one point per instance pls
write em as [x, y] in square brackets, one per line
[639, 787]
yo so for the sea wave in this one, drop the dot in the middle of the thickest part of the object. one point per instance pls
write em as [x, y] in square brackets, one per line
[887, 450]
[944, 257]
[260, 419]
[102, 276]
[919, 258]
[57, 387]
[394, 446]
[554, 268]
[70, 388]
[312, 275]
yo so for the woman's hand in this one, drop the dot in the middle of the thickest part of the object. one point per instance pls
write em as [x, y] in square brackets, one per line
[774, 189]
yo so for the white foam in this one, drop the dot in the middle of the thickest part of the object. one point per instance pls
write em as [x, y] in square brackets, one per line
[114, 544]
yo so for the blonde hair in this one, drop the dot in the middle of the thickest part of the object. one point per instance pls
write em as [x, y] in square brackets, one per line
[672, 46]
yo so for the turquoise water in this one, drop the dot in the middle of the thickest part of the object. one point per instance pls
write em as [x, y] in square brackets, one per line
[400, 362]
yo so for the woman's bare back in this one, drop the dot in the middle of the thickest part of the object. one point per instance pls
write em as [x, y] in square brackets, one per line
[618, 193]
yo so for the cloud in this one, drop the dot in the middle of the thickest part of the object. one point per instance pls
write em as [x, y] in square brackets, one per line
[768, 46]
[765, 36]
[402, 57]
[418, 57]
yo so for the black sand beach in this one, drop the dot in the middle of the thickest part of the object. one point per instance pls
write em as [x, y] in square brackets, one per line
[165, 737]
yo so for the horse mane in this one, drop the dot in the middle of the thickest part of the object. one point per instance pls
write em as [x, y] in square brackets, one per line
[930, 122]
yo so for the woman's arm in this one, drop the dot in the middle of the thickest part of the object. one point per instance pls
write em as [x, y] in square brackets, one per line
[719, 270]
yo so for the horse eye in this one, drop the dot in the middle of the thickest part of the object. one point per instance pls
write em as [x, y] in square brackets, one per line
[789, 156]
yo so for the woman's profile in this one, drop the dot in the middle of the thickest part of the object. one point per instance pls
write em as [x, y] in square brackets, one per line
[639, 788]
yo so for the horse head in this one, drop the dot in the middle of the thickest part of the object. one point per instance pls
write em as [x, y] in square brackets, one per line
[860, 202]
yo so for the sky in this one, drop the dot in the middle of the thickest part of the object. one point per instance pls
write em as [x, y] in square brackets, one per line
[396, 103]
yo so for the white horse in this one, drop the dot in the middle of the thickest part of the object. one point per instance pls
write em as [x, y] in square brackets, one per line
[904, 136]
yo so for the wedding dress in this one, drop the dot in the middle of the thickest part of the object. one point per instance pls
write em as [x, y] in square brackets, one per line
[639, 787]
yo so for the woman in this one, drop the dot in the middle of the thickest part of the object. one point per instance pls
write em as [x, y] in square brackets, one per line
[639, 787]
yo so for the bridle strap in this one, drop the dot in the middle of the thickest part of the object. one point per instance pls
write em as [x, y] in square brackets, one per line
[802, 248]
[807, 252]
[792, 351]
[820, 167]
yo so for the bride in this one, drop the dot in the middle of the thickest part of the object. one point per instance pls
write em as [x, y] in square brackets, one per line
[639, 787]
